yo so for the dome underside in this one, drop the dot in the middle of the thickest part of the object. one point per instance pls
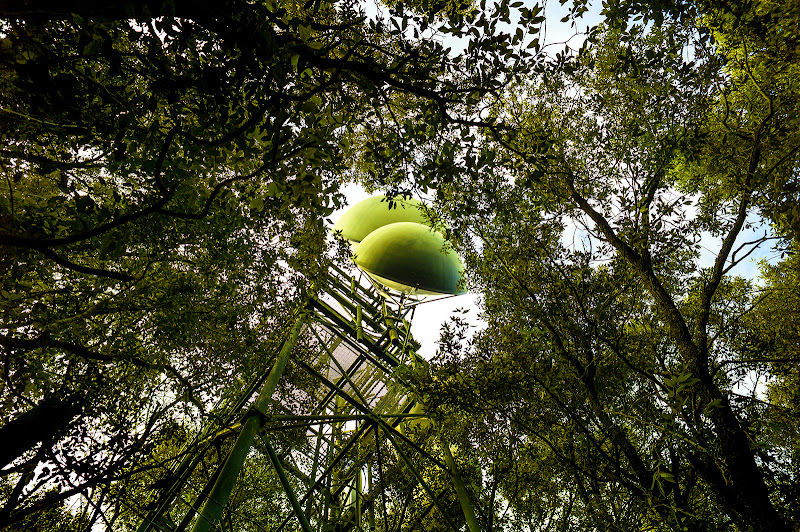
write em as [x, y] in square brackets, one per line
[408, 257]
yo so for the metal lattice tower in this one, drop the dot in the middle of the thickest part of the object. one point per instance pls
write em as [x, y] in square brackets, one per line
[333, 428]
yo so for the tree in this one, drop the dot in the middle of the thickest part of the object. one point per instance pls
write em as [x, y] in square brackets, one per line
[168, 167]
[612, 362]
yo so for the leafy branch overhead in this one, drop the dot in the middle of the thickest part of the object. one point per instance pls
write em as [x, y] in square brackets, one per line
[167, 170]
[168, 167]
[613, 358]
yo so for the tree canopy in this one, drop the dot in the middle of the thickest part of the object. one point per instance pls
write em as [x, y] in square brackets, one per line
[168, 168]
[630, 401]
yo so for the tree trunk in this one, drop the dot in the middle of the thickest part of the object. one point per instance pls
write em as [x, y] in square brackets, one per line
[42, 422]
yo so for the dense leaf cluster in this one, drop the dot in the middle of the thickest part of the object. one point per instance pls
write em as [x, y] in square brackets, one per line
[167, 170]
[616, 381]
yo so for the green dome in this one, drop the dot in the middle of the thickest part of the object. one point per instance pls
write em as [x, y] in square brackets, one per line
[365, 216]
[408, 257]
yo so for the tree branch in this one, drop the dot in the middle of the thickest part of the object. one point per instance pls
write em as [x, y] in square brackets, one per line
[39, 244]
[99, 272]
[672, 315]
[701, 330]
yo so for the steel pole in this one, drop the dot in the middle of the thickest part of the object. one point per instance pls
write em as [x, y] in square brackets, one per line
[287, 487]
[461, 490]
[215, 504]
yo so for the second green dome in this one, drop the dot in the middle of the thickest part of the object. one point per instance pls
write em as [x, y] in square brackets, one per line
[408, 257]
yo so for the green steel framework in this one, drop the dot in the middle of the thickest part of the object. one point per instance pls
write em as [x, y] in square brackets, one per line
[361, 461]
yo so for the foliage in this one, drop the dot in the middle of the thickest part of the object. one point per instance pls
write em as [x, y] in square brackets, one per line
[168, 167]
[612, 385]
[56, 518]
[167, 170]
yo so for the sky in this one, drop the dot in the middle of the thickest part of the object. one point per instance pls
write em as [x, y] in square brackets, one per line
[430, 316]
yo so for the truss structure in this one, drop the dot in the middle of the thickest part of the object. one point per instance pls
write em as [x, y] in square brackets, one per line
[328, 440]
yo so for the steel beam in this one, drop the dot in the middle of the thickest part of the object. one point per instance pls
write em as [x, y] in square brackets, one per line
[218, 498]
[287, 487]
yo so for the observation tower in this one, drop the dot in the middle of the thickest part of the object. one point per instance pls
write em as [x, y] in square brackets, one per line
[330, 437]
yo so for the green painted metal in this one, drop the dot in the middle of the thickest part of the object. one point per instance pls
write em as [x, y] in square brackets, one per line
[195, 507]
[185, 468]
[341, 394]
[393, 336]
[353, 391]
[421, 480]
[409, 257]
[287, 487]
[371, 516]
[213, 507]
[381, 476]
[345, 375]
[326, 475]
[372, 213]
[193, 457]
[359, 329]
[359, 498]
[315, 464]
[461, 490]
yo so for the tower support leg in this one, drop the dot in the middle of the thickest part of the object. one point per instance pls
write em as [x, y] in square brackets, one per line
[215, 504]
[461, 490]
